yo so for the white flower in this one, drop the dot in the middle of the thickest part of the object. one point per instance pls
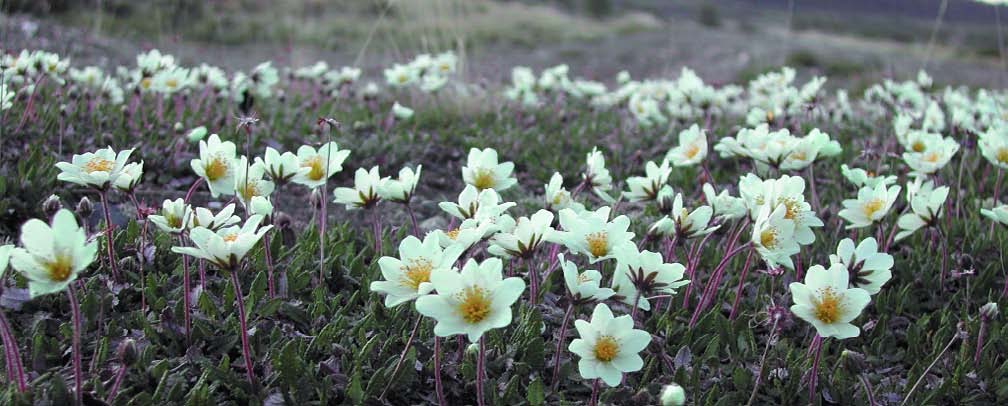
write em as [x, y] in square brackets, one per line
[787, 191]
[683, 223]
[401, 112]
[557, 197]
[50, 257]
[592, 234]
[994, 145]
[773, 236]
[216, 165]
[364, 194]
[250, 182]
[203, 217]
[608, 346]
[692, 147]
[867, 268]
[321, 164]
[401, 189]
[472, 201]
[645, 273]
[861, 178]
[408, 277]
[597, 175]
[471, 302]
[484, 172]
[465, 235]
[129, 177]
[646, 188]
[174, 218]
[401, 75]
[997, 214]
[99, 169]
[583, 286]
[726, 207]
[262, 206]
[871, 205]
[281, 168]
[926, 205]
[226, 247]
[936, 155]
[826, 301]
[527, 236]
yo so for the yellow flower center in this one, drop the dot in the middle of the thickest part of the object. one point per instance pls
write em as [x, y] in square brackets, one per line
[606, 348]
[598, 244]
[918, 146]
[583, 278]
[173, 220]
[416, 272]
[250, 190]
[1002, 155]
[931, 157]
[474, 304]
[872, 207]
[171, 83]
[691, 150]
[791, 206]
[215, 169]
[769, 116]
[768, 238]
[230, 237]
[829, 306]
[403, 78]
[799, 156]
[59, 270]
[99, 165]
[145, 83]
[483, 179]
[453, 233]
[317, 172]
[559, 198]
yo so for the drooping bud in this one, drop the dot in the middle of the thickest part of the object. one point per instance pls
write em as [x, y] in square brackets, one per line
[127, 352]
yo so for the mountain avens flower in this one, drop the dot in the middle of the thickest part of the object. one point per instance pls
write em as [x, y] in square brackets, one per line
[483, 171]
[409, 276]
[51, 255]
[608, 346]
[827, 302]
[99, 169]
[472, 302]
[216, 164]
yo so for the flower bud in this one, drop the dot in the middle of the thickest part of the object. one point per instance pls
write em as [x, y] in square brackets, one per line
[51, 205]
[673, 395]
[178, 126]
[989, 311]
[197, 134]
[127, 352]
[85, 208]
[472, 349]
[282, 221]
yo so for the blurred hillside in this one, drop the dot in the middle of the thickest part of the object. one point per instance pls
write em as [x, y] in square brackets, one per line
[855, 41]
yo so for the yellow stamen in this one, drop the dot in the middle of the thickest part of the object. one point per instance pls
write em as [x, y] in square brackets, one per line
[918, 146]
[606, 349]
[691, 151]
[768, 238]
[931, 157]
[829, 306]
[1002, 155]
[99, 165]
[315, 163]
[474, 304]
[453, 233]
[872, 207]
[230, 237]
[598, 244]
[216, 169]
[483, 178]
[416, 272]
[59, 270]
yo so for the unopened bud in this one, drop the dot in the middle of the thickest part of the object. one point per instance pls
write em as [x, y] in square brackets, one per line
[127, 352]
[282, 220]
[673, 395]
[85, 208]
[51, 205]
[989, 311]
